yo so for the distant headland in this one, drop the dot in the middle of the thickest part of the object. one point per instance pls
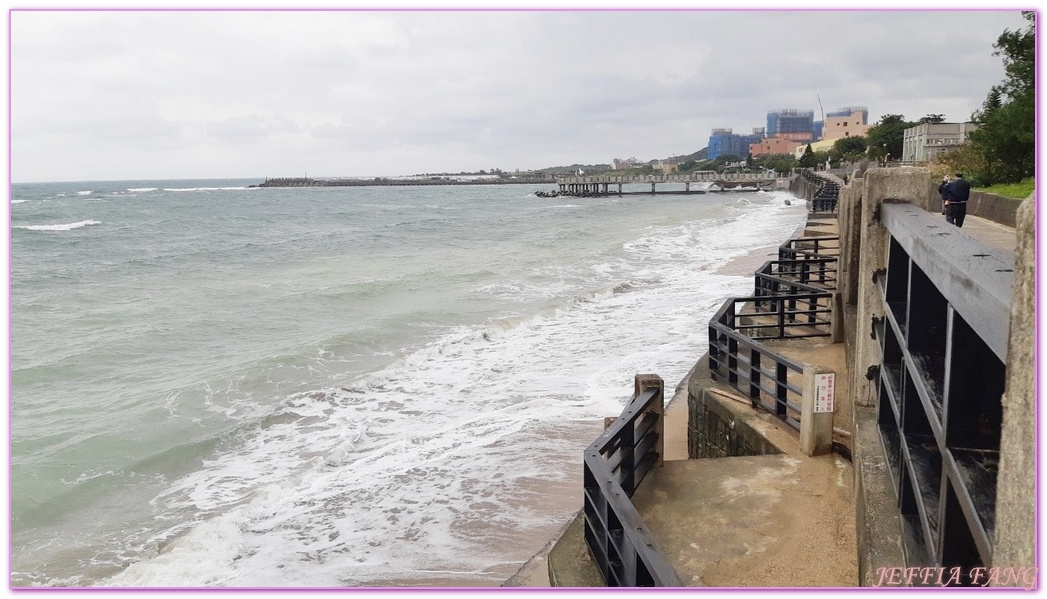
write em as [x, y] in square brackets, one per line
[416, 180]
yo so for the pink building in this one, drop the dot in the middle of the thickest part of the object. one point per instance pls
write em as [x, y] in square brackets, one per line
[773, 145]
[852, 125]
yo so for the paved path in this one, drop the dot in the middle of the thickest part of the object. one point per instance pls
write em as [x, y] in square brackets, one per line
[992, 233]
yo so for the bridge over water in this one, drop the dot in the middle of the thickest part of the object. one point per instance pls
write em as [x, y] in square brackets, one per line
[600, 184]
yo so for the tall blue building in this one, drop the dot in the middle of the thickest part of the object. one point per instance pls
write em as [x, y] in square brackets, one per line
[790, 123]
[725, 141]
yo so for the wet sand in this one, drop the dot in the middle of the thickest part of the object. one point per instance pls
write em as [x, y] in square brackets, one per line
[749, 263]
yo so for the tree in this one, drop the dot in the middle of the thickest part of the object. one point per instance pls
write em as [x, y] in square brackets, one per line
[1006, 134]
[962, 159]
[808, 160]
[780, 163]
[888, 136]
[849, 148]
[932, 118]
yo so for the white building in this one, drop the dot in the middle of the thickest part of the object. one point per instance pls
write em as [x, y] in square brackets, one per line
[924, 142]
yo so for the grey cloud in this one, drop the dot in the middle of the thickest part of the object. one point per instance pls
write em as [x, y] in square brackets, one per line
[391, 92]
[250, 127]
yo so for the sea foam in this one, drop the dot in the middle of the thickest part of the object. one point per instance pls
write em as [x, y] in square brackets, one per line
[65, 227]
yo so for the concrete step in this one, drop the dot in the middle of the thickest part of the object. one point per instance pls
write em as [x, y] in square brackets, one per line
[755, 521]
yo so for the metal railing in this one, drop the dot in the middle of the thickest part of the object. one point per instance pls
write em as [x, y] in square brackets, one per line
[813, 275]
[827, 196]
[792, 299]
[770, 381]
[615, 464]
[802, 248]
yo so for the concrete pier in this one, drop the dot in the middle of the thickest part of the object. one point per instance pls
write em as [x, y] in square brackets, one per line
[598, 185]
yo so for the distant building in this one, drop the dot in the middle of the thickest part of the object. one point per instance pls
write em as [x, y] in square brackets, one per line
[925, 142]
[842, 124]
[664, 167]
[792, 124]
[818, 146]
[725, 142]
[773, 145]
[850, 110]
[621, 165]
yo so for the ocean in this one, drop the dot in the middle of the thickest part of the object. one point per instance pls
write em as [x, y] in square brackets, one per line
[218, 385]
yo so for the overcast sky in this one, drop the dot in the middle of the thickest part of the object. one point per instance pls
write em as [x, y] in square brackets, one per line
[169, 95]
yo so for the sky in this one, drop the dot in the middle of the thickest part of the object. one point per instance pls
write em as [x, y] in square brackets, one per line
[137, 95]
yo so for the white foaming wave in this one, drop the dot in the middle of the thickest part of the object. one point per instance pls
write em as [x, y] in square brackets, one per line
[205, 188]
[748, 226]
[141, 189]
[415, 472]
[84, 193]
[19, 201]
[66, 227]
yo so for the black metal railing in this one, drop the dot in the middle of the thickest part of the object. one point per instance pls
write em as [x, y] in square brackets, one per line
[827, 196]
[812, 275]
[792, 299]
[615, 464]
[802, 248]
[943, 344]
[770, 380]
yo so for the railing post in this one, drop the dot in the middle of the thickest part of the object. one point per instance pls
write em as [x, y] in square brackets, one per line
[714, 350]
[754, 374]
[782, 391]
[627, 469]
[816, 417]
[641, 383]
[781, 319]
[732, 360]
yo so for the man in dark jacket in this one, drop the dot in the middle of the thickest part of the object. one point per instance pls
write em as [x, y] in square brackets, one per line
[942, 189]
[957, 193]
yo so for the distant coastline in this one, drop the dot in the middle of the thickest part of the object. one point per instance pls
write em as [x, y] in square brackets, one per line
[383, 181]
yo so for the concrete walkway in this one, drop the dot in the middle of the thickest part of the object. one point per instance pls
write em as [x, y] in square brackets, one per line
[992, 233]
[779, 520]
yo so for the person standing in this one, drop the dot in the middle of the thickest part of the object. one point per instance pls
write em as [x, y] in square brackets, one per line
[958, 190]
[943, 191]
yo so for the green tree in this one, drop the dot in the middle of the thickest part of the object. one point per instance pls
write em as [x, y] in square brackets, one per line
[966, 159]
[1006, 134]
[887, 136]
[781, 163]
[932, 118]
[808, 160]
[849, 148]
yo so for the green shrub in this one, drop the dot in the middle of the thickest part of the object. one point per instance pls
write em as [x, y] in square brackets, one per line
[1013, 190]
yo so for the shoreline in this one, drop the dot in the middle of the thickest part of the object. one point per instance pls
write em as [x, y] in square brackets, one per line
[534, 572]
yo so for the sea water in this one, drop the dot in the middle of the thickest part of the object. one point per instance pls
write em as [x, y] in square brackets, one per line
[220, 385]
